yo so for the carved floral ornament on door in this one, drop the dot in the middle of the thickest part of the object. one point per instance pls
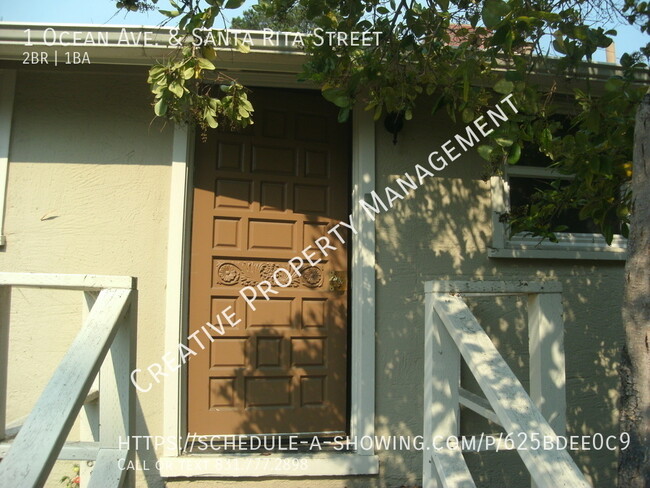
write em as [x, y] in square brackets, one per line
[259, 280]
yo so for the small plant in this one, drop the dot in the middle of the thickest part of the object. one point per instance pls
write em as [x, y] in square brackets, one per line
[72, 482]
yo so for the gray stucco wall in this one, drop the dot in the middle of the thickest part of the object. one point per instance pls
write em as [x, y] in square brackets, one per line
[442, 232]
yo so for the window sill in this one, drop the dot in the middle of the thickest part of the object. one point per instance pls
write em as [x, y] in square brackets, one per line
[569, 246]
[273, 465]
[525, 252]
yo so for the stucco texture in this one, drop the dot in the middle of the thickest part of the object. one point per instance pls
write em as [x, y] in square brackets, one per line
[88, 192]
[442, 232]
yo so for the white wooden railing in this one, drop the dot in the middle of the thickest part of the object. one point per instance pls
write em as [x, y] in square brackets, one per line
[452, 331]
[103, 347]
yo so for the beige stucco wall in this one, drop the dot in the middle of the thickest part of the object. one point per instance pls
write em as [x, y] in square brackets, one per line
[88, 192]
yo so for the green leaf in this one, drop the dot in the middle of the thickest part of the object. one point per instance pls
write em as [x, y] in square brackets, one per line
[209, 53]
[344, 114]
[500, 36]
[625, 231]
[188, 73]
[378, 111]
[160, 108]
[205, 64]
[234, 3]
[337, 97]
[503, 86]
[241, 47]
[176, 89]
[514, 76]
[170, 13]
[527, 20]
[246, 104]
[504, 141]
[608, 233]
[584, 213]
[558, 43]
[473, 19]
[514, 154]
[437, 103]
[493, 11]
[549, 16]
[210, 120]
[626, 60]
[485, 151]
[614, 84]
[157, 71]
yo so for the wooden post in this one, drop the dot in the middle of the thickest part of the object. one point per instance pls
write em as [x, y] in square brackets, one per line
[546, 348]
[115, 387]
[5, 310]
[89, 415]
[441, 383]
[362, 421]
[116, 396]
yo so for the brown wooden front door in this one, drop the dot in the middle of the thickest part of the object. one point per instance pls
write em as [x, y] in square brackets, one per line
[260, 198]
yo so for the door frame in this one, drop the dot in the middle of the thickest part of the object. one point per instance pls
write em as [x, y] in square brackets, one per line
[362, 321]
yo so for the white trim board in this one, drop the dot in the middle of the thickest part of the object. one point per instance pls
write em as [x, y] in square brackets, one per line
[177, 255]
[493, 287]
[362, 374]
[86, 282]
[7, 89]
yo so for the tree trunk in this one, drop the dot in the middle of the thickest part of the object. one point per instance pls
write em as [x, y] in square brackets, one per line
[634, 462]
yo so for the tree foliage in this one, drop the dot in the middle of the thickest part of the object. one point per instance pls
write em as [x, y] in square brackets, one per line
[179, 86]
[460, 53]
[293, 19]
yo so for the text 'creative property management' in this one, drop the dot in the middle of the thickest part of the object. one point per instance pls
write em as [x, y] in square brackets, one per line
[374, 204]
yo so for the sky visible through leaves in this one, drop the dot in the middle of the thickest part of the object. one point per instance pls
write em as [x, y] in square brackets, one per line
[104, 12]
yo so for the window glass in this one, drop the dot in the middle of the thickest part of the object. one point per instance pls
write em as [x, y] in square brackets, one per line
[521, 190]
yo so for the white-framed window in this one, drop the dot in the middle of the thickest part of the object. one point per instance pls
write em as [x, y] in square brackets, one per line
[514, 188]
